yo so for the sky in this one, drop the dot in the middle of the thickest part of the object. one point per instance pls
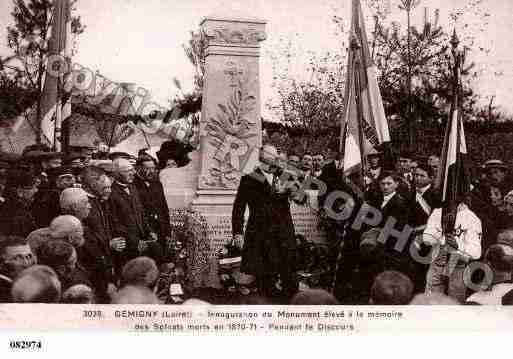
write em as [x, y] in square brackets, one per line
[140, 41]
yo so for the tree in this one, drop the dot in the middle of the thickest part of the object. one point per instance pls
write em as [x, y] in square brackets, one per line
[196, 52]
[14, 99]
[414, 75]
[311, 103]
[28, 39]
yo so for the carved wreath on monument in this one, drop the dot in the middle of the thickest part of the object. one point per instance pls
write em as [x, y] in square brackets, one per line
[229, 130]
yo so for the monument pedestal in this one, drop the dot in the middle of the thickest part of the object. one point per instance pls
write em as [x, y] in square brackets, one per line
[230, 126]
[216, 208]
[231, 132]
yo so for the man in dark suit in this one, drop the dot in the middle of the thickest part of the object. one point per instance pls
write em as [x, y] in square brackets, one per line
[152, 196]
[342, 239]
[129, 218]
[46, 202]
[269, 243]
[16, 207]
[423, 200]
[96, 255]
[393, 205]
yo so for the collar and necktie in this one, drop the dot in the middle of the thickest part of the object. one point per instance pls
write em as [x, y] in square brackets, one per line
[387, 198]
[421, 201]
[124, 187]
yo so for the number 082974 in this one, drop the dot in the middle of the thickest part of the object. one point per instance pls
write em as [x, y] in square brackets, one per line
[25, 344]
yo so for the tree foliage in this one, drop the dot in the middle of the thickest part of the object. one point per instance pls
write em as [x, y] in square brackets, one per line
[195, 51]
[422, 53]
[28, 39]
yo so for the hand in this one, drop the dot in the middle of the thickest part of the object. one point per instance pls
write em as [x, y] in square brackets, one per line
[153, 236]
[111, 289]
[142, 246]
[118, 244]
[292, 186]
[238, 240]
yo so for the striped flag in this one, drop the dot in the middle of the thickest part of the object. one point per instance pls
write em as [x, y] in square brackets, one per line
[454, 178]
[52, 110]
[365, 126]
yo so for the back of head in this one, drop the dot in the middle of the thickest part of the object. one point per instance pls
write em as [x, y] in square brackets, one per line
[140, 271]
[67, 228]
[78, 294]
[507, 299]
[37, 284]
[500, 257]
[135, 295]
[391, 288]
[70, 196]
[314, 297]
[433, 299]
[55, 253]
[196, 302]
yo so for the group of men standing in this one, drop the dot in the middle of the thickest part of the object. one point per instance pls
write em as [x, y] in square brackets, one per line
[107, 211]
[408, 236]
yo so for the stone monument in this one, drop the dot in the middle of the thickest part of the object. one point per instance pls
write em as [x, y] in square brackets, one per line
[231, 129]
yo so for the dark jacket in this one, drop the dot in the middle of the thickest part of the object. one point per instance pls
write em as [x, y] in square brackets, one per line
[128, 218]
[334, 180]
[95, 255]
[397, 208]
[5, 288]
[269, 229]
[16, 217]
[46, 207]
[155, 206]
[418, 216]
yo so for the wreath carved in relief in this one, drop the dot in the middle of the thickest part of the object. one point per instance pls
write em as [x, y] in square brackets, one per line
[229, 131]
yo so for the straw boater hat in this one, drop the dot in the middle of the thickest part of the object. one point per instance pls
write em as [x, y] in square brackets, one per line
[495, 164]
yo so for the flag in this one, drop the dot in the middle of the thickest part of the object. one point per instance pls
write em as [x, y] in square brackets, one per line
[454, 181]
[365, 126]
[453, 178]
[60, 45]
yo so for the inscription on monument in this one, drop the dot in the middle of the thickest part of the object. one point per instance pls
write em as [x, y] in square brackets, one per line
[306, 222]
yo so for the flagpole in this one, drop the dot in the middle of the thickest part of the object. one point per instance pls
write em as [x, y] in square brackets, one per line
[355, 46]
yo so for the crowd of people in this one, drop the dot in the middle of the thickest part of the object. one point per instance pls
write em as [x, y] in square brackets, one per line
[83, 226]
[95, 228]
[393, 223]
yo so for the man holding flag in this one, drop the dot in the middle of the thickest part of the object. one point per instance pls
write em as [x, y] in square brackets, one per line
[453, 231]
[364, 130]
